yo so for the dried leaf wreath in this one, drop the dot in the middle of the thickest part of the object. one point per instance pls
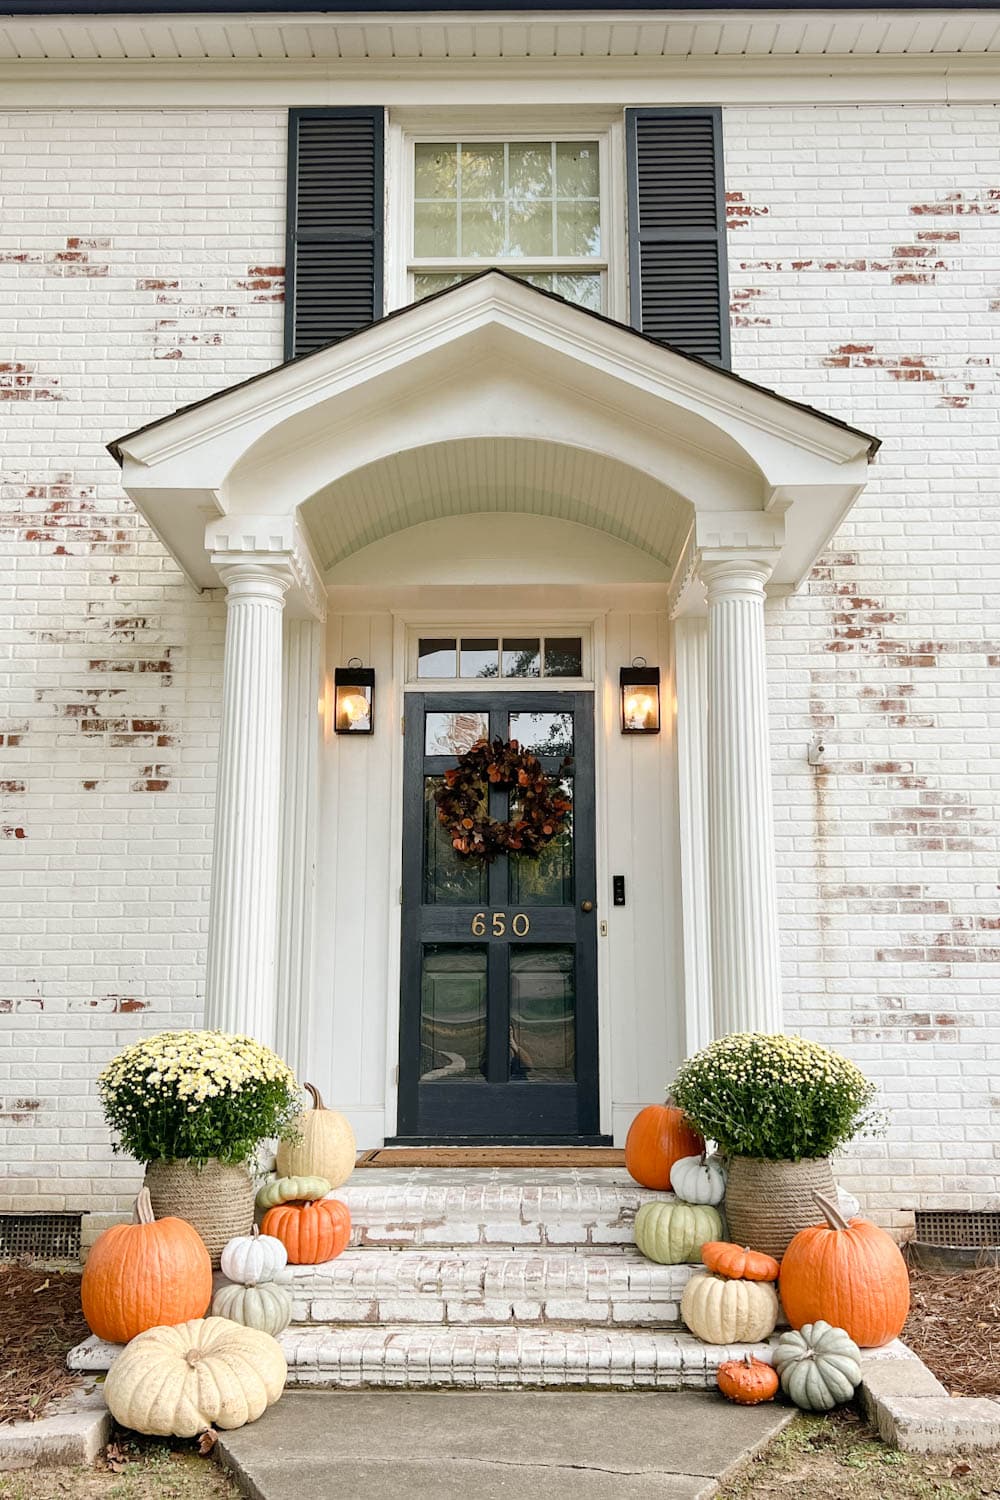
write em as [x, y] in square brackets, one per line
[542, 807]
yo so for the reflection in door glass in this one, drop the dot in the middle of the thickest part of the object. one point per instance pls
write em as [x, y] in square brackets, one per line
[454, 733]
[542, 1013]
[479, 657]
[436, 656]
[453, 1013]
[543, 734]
[447, 877]
[545, 878]
[521, 656]
[563, 656]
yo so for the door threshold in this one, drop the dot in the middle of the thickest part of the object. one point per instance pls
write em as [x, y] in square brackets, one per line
[570, 1155]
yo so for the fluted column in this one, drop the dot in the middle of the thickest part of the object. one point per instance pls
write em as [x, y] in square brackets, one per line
[746, 972]
[243, 914]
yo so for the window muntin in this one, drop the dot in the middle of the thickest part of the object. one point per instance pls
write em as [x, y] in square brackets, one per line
[533, 207]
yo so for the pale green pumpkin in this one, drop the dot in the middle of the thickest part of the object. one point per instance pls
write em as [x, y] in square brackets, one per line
[819, 1366]
[671, 1233]
[265, 1306]
[291, 1189]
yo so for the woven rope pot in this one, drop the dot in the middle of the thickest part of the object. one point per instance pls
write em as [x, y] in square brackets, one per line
[768, 1202]
[217, 1198]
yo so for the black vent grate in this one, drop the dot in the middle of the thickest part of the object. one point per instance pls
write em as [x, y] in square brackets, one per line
[956, 1229]
[40, 1236]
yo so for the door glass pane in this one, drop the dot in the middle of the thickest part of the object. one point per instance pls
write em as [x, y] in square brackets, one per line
[454, 733]
[543, 734]
[546, 878]
[542, 1013]
[563, 656]
[521, 656]
[436, 657]
[448, 879]
[453, 1013]
[480, 658]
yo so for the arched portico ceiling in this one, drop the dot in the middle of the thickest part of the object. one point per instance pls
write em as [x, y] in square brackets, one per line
[495, 395]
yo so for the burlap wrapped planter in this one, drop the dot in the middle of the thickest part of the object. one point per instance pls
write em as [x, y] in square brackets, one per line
[768, 1202]
[217, 1199]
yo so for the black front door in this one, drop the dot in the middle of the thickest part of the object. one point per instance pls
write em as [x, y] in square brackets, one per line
[498, 1015]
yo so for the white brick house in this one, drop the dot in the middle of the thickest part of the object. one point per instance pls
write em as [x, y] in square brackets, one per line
[495, 501]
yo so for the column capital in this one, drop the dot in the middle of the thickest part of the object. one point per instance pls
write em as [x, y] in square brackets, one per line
[260, 579]
[277, 547]
[730, 574]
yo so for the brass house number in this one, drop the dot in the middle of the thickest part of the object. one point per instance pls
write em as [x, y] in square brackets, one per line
[520, 926]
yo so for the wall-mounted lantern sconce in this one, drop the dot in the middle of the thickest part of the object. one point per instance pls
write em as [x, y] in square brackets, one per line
[354, 698]
[640, 698]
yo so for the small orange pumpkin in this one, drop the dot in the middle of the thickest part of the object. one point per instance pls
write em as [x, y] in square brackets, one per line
[738, 1264]
[310, 1232]
[658, 1136]
[850, 1275]
[747, 1381]
[144, 1275]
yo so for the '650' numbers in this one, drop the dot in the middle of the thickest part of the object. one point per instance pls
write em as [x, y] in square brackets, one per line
[520, 926]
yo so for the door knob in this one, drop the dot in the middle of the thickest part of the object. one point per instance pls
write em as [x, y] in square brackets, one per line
[586, 906]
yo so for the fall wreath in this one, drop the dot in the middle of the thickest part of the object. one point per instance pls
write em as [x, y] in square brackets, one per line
[542, 807]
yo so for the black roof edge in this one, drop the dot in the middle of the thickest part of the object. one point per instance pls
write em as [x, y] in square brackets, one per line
[874, 443]
[38, 8]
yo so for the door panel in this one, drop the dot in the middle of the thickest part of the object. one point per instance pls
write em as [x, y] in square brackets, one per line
[498, 1014]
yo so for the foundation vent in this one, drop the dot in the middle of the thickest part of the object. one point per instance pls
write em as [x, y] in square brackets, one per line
[40, 1236]
[971, 1230]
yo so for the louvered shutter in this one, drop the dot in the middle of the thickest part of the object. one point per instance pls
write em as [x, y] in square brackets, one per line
[677, 229]
[335, 225]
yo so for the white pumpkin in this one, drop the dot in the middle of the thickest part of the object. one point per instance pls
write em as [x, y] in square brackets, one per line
[670, 1232]
[722, 1311]
[819, 1366]
[254, 1257]
[327, 1147]
[699, 1179]
[210, 1372]
[265, 1305]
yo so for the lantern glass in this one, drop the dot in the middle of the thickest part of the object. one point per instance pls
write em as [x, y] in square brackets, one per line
[640, 690]
[354, 700]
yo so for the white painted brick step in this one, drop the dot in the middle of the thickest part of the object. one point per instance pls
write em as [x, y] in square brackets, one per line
[589, 1207]
[473, 1286]
[485, 1358]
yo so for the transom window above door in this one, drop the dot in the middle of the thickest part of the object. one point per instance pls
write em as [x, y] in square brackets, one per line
[531, 207]
[492, 656]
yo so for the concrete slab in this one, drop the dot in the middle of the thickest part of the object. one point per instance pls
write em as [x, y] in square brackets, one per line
[585, 1445]
[73, 1431]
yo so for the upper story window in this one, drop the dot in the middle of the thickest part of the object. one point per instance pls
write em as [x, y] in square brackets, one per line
[535, 208]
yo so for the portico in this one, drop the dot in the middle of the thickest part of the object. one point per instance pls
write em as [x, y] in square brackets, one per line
[489, 457]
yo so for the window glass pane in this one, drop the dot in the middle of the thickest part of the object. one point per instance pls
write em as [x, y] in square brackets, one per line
[435, 171]
[577, 169]
[436, 656]
[448, 879]
[531, 230]
[546, 878]
[578, 228]
[521, 656]
[453, 1013]
[563, 656]
[543, 734]
[435, 229]
[584, 290]
[482, 229]
[542, 1013]
[481, 174]
[454, 733]
[426, 282]
[530, 169]
[480, 657]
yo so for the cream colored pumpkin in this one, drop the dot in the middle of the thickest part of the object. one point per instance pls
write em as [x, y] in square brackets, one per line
[210, 1372]
[722, 1311]
[264, 1305]
[291, 1190]
[699, 1179]
[671, 1233]
[327, 1147]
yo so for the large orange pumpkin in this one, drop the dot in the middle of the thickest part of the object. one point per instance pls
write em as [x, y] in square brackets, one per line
[310, 1232]
[657, 1137]
[144, 1275]
[849, 1274]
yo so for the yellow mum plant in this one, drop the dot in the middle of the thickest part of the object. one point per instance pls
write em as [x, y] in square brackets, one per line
[191, 1095]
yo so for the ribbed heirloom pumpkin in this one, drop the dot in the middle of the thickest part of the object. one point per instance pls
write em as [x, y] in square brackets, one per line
[144, 1274]
[737, 1263]
[671, 1233]
[311, 1232]
[729, 1312]
[747, 1381]
[658, 1137]
[291, 1190]
[327, 1147]
[850, 1275]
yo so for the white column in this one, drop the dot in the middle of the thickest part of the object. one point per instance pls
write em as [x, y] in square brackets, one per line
[300, 747]
[243, 914]
[691, 681]
[746, 972]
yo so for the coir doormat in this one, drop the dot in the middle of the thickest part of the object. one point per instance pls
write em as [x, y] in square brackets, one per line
[492, 1156]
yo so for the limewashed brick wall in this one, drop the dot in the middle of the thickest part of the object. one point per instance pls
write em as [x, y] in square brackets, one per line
[140, 268]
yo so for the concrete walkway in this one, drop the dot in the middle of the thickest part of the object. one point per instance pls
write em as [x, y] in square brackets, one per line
[481, 1445]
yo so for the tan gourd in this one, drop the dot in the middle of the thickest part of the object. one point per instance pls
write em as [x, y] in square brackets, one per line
[722, 1311]
[327, 1147]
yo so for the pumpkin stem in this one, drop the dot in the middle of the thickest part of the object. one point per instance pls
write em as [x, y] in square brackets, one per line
[193, 1357]
[834, 1217]
[255, 1233]
[142, 1212]
[314, 1094]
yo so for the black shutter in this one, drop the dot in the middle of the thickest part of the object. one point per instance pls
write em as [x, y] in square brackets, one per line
[677, 229]
[333, 259]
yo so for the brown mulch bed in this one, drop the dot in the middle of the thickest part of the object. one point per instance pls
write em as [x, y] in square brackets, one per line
[40, 1321]
[954, 1325]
